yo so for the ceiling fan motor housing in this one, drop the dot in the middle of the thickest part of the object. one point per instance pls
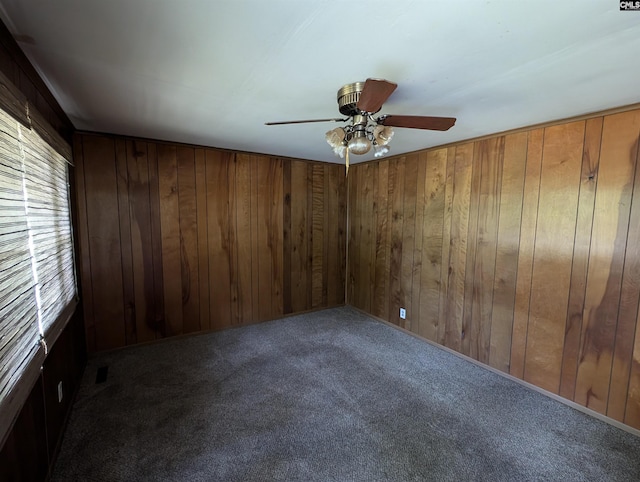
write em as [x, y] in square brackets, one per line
[348, 97]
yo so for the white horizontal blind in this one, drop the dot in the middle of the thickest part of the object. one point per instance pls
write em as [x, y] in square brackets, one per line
[19, 334]
[46, 188]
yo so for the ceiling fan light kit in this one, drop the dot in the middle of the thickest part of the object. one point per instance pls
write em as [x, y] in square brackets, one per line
[359, 101]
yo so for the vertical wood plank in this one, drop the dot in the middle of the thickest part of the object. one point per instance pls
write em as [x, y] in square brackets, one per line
[335, 250]
[417, 318]
[287, 246]
[525, 253]
[236, 313]
[86, 279]
[354, 236]
[628, 306]
[125, 242]
[408, 239]
[432, 244]
[299, 241]
[170, 236]
[202, 221]
[275, 238]
[555, 232]
[504, 287]
[380, 301]
[584, 223]
[472, 247]
[255, 238]
[616, 172]
[188, 216]
[157, 300]
[217, 163]
[103, 227]
[463, 172]
[491, 152]
[141, 239]
[395, 222]
[366, 242]
[317, 236]
[443, 312]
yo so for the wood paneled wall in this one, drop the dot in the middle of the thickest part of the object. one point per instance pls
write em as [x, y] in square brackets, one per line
[521, 251]
[178, 239]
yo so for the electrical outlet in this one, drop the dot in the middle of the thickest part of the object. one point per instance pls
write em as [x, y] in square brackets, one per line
[403, 314]
[60, 391]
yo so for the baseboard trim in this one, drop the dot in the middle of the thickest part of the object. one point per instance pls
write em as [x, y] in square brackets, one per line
[535, 388]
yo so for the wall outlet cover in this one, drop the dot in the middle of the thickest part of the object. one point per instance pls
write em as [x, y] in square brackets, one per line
[403, 313]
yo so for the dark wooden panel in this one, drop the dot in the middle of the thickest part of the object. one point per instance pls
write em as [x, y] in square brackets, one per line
[24, 454]
[157, 302]
[525, 253]
[336, 235]
[431, 232]
[243, 238]
[170, 232]
[504, 286]
[317, 234]
[395, 222]
[103, 227]
[203, 241]
[463, 171]
[616, 171]
[188, 216]
[380, 301]
[84, 258]
[472, 246]
[408, 240]
[300, 266]
[275, 237]
[141, 241]
[366, 236]
[218, 238]
[443, 312]
[125, 240]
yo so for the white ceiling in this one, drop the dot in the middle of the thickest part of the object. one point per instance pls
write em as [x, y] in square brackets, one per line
[211, 72]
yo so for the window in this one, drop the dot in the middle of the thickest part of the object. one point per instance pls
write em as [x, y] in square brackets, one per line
[37, 279]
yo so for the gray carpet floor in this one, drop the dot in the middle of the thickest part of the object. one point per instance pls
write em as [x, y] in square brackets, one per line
[329, 396]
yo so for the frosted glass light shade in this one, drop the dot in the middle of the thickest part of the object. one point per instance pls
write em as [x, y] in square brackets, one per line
[359, 145]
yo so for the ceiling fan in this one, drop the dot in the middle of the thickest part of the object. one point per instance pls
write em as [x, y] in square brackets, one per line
[359, 101]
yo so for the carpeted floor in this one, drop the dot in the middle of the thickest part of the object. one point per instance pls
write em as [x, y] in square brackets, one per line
[327, 396]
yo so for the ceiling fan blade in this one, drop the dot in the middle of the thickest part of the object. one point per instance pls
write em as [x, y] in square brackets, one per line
[374, 94]
[304, 121]
[418, 122]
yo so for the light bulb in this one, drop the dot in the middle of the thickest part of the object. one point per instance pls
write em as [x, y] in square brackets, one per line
[380, 150]
[359, 145]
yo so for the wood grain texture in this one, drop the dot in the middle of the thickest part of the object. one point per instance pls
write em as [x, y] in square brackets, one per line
[142, 247]
[431, 232]
[188, 229]
[170, 239]
[525, 253]
[186, 239]
[104, 248]
[616, 171]
[506, 258]
[555, 231]
[584, 223]
[463, 171]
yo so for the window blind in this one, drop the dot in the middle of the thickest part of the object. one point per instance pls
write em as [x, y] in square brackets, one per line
[37, 276]
[19, 332]
[47, 203]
